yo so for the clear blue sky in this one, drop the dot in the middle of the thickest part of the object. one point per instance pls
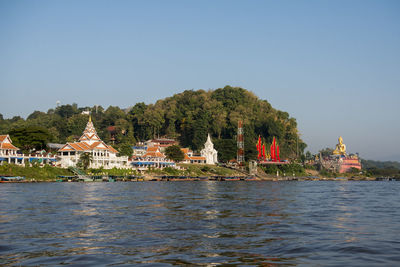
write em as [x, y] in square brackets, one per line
[333, 65]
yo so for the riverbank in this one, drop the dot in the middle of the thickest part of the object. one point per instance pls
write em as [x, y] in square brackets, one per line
[173, 178]
[52, 174]
[187, 172]
[34, 173]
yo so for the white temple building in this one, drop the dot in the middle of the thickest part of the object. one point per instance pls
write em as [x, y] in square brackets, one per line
[209, 152]
[103, 155]
[7, 150]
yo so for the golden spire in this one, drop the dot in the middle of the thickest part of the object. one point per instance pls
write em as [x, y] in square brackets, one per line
[90, 117]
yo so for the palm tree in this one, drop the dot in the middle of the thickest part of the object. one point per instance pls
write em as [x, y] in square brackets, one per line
[85, 159]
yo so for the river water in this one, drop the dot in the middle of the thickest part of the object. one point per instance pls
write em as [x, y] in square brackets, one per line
[313, 223]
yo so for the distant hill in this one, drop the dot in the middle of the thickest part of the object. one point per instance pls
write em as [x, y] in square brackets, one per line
[395, 157]
[188, 117]
[370, 164]
[382, 168]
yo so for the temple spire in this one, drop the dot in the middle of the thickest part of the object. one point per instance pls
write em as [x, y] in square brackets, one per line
[89, 134]
[209, 152]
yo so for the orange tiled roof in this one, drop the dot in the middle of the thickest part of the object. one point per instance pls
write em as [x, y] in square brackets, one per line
[154, 154]
[197, 158]
[8, 146]
[64, 148]
[185, 150]
[113, 149]
[84, 146]
[2, 137]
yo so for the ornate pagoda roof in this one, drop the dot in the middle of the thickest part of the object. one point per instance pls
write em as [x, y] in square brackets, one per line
[89, 134]
[88, 141]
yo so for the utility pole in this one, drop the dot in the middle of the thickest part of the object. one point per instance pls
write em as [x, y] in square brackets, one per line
[240, 144]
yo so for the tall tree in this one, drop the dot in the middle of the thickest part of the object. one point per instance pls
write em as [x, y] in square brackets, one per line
[326, 152]
[85, 159]
[174, 153]
[30, 138]
[227, 149]
[125, 150]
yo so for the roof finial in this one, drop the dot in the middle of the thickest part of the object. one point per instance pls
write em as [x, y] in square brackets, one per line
[90, 117]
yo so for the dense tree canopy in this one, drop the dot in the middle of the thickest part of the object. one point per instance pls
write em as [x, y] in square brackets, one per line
[125, 150]
[188, 117]
[30, 138]
[227, 149]
[174, 153]
[326, 152]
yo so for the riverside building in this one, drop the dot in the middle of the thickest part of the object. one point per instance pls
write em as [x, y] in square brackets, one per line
[103, 155]
[12, 154]
[153, 158]
[8, 152]
[190, 158]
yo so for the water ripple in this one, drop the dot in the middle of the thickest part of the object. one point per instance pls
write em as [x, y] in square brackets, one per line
[207, 223]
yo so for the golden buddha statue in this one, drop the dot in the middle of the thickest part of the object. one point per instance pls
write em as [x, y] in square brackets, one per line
[340, 148]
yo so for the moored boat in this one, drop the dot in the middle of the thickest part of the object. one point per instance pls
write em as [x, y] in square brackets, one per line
[12, 179]
[233, 178]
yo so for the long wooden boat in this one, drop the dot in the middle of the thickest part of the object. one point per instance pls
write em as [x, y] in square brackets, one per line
[12, 179]
[233, 178]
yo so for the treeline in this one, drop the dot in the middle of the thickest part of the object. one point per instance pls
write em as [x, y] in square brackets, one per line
[368, 164]
[187, 117]
[381, 168]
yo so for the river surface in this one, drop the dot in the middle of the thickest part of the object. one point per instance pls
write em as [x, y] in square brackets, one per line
[315, 223]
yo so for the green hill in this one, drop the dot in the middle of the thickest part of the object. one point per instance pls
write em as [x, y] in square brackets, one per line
[381, 168]
[187, 116]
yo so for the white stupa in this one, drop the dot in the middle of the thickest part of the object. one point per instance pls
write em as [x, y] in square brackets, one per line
[209, 152]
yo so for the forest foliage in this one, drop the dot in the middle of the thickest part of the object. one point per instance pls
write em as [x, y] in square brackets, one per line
[186, 116]
[381, 168]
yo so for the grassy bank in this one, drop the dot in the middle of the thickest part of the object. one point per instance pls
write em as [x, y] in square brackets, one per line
[195, 170]
[112, 172]
[49, 173]
[46, 173]
[284, 170]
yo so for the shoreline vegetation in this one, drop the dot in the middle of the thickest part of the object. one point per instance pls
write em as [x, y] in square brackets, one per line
[189, 172]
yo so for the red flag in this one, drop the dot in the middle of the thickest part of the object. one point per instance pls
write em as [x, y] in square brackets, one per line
[270, 152]
[259, 147]
[263, 148]
[274, 149]
[277, 153]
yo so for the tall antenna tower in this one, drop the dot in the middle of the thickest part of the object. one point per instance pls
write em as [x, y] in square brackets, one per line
[240, 144]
